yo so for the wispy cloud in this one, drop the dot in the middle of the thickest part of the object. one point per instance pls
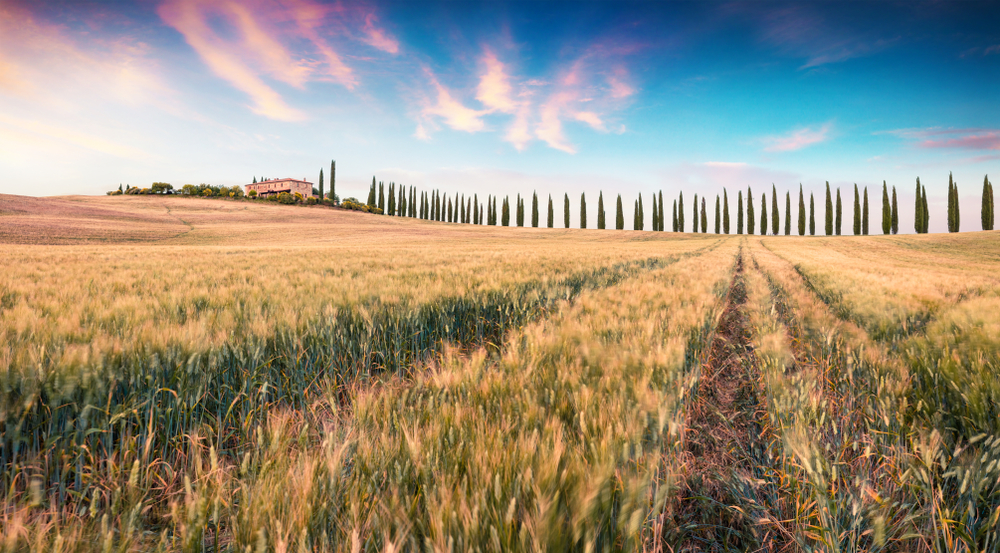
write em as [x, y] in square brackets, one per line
[798, 139]
[942, 138]
[802, 31]
[247, 42]
[72, 136]
[454, 113]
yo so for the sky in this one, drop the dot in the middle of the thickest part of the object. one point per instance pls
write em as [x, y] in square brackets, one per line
[506, 97]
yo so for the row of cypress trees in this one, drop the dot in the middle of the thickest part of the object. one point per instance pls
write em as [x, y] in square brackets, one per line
[436, 206]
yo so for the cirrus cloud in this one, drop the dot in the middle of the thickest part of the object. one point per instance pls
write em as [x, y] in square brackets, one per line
[798, 138]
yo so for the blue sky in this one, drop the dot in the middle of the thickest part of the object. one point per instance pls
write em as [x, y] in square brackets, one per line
[503, 98]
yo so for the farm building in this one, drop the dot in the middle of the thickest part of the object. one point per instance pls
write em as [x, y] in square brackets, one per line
[277, 186]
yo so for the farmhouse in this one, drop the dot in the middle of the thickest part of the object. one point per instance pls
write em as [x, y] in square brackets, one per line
[277, 186]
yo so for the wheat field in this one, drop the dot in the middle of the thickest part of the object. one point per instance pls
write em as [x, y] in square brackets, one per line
[185, 374]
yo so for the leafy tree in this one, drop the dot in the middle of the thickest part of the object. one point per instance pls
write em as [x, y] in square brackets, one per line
[775, 220]
[620, 215]
[886, 211]
[725, 211]
[680, 213]
[812, 215]
[583, 210]
[750, 214]
[566, 210]
[895, 213]
[763, 214]
[534, 209]
[551, 215]
[718, 214]
[857, 210]
[600, 210]
[802, 212]
[840, 214]
[828, 227]
[505, 216]
[739, 212]
[987, 205]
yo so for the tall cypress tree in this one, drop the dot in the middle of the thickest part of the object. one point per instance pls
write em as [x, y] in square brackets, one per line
[694, 214]
[718, 214]
[958, 218]
[828, 227]
[566, 210]
[739, 212]
[763, 214]
[674, 225]
[802, 212]
[475, 209]
[520, 211]
[321, 184]
[864, 215]
[812, 215]
[927, 215]
[635, 216]
[704, 217]
[788, 213]
[392, 200]
[680, 213]
[656, 218]
[381, 196]
[583, 210]
[840, 213]
[660, 201]
[371, 194]
[775, 219]
[642, 215]
[857, 210]
[550, 221]
[600, 210]
[333, 180]
[401, 203]
[505, 214]
[620, 215]
[895, 212]
[987, 205]
[534, 209]
[886, 211]
[725, 211]
[750, 214]
[449, 218]
[918, 207]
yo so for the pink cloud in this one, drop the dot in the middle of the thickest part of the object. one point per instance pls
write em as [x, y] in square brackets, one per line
[798, 139]
[494, 86]
[979, 141]
[591, 119]
[379, 38]
[549, 128]
[619, 89]
[455, 115]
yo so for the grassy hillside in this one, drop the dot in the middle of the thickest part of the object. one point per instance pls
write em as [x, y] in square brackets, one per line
[191, 374]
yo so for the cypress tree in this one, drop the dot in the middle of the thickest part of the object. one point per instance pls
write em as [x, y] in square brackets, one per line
[583, 210]
[656, 218]
[739, 212]
[550, 221]
[775, 219]
[828, 227]
[566, 210]
[987, 205]
[381, 196]
[635, 215]
[642, 215]
[520, 211]
[333, 180]
[392, 200]
[788, 213]
[674, 223]
[694, 215]
[534, 209]
[958, 217]
[120, 186]
[401, 202]
[802, 212]
[475, 209]
[469, 207]
[840, 214]
[600, 210]
[660, 201]
[371, 194]
[680, 213]
[864, 214]
[812, 215]
[763, 214]
[895, 213]
[321, 183]
[886, 211]
[750, 214]
[857, 210]
[718, 214]
[505, 216]
[927, 215]
[704, 218]
[725, 211]
[620, 215]
[448, 216]
[918, 216]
